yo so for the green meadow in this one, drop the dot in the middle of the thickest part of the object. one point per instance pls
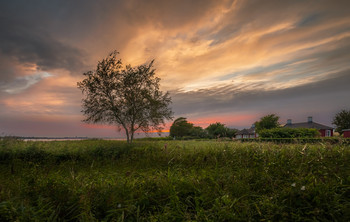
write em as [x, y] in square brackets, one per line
[97, 180]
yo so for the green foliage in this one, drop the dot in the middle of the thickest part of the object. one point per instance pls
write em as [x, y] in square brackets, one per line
[198, 132]
[182, 181]
[311, 140]
[267, 122]
[181, 127]
[342, 121]
[231, 133]
[127, 97]
[216, 130]
[289, 133]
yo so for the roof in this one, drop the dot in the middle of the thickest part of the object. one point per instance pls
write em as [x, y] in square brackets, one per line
[246, 131]
[312, 125]
[345, 130]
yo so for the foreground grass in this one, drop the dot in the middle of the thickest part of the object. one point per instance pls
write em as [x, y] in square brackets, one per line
[180, 181]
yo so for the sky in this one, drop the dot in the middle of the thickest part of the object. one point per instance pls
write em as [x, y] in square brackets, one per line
[228, 61]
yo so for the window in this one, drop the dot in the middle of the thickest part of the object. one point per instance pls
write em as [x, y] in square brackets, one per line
[328, 133]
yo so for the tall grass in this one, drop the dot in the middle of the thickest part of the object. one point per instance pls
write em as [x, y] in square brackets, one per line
[173, 181]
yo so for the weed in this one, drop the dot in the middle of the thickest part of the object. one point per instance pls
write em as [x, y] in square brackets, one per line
[96, 180]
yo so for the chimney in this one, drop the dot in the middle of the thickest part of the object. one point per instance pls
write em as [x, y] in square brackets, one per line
[289, 121]
[309, 119]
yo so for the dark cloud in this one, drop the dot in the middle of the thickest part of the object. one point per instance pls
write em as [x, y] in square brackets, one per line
[7, 68]
[309, 20]
[305, 98]
[35, 46]
[259, 15]
[259, 45]
[43, 33]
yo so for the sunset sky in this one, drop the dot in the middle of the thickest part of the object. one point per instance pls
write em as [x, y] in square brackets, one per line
[226, 61]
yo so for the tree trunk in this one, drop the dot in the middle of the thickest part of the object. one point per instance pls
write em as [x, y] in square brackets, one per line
[127, 135]
[132, 136]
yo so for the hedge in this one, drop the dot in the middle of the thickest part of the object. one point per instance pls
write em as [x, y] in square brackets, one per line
[331, 140]
[289, 133]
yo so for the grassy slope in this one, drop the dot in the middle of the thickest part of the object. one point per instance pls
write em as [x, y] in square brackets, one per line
[188, 180]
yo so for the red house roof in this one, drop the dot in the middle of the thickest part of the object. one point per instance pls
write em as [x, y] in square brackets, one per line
[312, 125]
[308, 124]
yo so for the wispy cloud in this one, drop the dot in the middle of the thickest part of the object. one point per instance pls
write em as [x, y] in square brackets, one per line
[237, 59]
[22, 83]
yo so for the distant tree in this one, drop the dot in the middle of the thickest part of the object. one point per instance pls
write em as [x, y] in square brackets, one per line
[181, 127]
[342, 121]
[231, 132]
[128, 97]
[198, 131]
[267, 122]
[216, 130]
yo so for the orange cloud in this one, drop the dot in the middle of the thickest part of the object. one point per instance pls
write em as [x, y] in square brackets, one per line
[214, 55]
[189, 61]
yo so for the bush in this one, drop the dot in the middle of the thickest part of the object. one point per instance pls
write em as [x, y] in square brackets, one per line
[289, 133]
[217, 130]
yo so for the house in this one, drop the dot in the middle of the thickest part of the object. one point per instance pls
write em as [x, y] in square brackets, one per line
[346, 133]
[325, 131]
[247, 133]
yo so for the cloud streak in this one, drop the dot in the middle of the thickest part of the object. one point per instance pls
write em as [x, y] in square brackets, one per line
[22, 83]
[307, 99]
[230, 60]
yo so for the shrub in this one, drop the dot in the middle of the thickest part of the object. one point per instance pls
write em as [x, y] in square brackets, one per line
[289, 133]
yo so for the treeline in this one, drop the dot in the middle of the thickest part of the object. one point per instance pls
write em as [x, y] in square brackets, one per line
[183, 129]
[267, 127]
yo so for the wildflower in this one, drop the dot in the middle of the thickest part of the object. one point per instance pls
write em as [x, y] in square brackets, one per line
[302, 188]
[119, 205]
[293, 185]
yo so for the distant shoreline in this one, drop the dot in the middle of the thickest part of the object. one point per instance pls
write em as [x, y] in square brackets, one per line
[24, 138]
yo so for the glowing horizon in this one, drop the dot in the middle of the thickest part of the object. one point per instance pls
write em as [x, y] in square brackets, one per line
[222, 61]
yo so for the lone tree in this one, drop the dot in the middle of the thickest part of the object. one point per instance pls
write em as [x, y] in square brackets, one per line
[267, 122]
[342, 121]
[126, 97]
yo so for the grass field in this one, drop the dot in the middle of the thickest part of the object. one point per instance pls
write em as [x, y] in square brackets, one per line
[98, 180]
